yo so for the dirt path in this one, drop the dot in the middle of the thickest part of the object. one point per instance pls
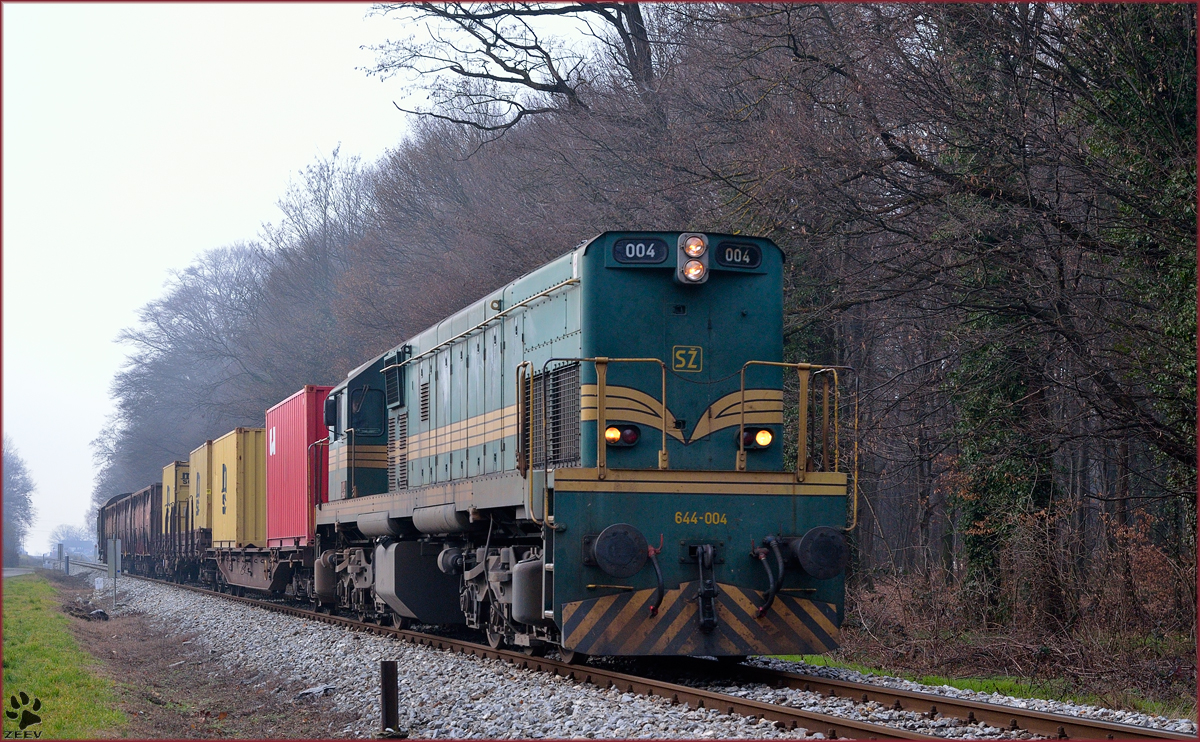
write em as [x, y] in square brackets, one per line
[172, 689]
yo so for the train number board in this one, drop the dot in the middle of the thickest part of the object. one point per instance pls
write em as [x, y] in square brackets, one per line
[640, 250]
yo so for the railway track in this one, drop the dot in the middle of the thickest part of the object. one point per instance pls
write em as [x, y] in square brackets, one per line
[1054, 726]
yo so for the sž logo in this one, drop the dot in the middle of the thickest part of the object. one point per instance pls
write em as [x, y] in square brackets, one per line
[22, 709]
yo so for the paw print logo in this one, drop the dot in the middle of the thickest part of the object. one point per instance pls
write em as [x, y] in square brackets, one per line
[23, 709]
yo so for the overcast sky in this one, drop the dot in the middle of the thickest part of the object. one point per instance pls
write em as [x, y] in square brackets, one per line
[135, 137]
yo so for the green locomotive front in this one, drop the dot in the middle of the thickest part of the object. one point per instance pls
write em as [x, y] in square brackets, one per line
[593, 457]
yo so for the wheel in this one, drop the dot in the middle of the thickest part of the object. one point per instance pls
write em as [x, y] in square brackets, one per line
[572, 657]
[400, 622]
[536, 651]
[494, 638]
[495, 626]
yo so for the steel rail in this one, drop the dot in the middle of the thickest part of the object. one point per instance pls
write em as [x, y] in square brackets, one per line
[1055, 726]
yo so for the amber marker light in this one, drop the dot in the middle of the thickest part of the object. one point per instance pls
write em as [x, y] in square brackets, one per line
[763, 438]
[694, 247]
[612, 434]
[693, 270]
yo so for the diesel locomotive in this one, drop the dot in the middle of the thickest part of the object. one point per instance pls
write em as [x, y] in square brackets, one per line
[593, 458]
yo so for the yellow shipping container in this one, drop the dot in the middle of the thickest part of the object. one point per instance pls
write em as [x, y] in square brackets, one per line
[239, 488]
[200, 467]
[177, 497]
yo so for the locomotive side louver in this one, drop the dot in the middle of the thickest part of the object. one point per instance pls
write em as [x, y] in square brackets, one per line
[398, 452]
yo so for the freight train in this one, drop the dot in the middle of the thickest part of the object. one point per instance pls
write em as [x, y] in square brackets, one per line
[590, 459]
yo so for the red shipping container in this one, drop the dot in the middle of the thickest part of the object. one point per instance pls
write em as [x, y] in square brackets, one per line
[295, 467]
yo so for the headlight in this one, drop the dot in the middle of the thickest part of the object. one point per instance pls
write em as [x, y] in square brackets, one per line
[756, 438]
[622, 435]
[691, 259]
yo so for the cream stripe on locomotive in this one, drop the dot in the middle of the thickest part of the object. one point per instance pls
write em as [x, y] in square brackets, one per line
[473, 431]
[365, 457]
[763, 407]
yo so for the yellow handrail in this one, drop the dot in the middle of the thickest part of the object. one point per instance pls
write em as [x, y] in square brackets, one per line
[601, 364]
[837, 458]
[804, 371]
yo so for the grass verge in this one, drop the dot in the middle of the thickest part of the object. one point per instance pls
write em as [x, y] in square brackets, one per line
[43, 660]
[1051, 689]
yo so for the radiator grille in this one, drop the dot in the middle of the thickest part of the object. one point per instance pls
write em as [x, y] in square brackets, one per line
[398, 452]
[425, 402]
[561, 418]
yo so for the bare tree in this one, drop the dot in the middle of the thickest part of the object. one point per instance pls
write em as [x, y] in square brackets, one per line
[491, 65]
[19, 512]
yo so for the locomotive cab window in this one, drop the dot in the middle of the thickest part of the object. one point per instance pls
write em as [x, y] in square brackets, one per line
[367, 411]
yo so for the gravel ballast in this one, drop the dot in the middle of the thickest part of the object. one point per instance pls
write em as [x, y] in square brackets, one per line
[446, 695]
[1183, 726]
[442, 695]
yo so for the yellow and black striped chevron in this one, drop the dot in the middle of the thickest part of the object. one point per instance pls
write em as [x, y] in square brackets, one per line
[622, 625]
[763, 407]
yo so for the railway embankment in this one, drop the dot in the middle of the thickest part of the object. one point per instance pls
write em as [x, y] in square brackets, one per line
[443, 694]
[162, 683]
[53, 687]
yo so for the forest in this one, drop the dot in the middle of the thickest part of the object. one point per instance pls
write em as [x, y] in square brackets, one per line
[988, 211]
